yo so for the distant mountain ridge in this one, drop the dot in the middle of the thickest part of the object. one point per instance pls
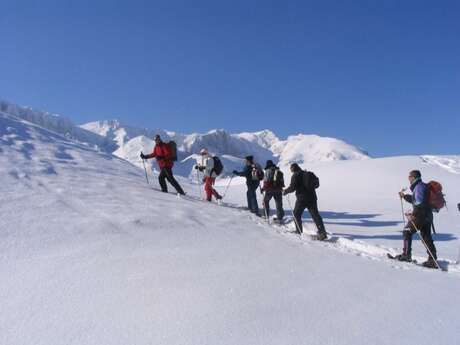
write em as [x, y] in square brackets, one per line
[127, 141]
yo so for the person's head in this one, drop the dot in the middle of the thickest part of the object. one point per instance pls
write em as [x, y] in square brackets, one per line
[249, 160]
[204, 152]
[414, 175]
[269, 164]
[295, 167]
[157, 139]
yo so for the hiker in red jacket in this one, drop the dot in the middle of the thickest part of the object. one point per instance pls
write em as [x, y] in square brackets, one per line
[164, 156]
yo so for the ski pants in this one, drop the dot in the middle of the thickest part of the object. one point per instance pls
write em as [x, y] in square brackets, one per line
[167, 174]
[278, 196]
[208, 188]
[425, 233]
[252, 199]
[312, 206]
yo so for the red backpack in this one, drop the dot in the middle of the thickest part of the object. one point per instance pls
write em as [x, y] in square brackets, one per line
[435, 196]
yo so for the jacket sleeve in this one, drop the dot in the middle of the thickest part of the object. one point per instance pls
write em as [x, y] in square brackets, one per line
[153, 154]
[408, 198]
[292, 187]
[245, 173]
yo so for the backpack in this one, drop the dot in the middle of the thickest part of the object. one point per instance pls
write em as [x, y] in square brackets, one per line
[257, 172]
[435, 196]
[173, 148]
[218, 166]
[276, 178]
[310, 180]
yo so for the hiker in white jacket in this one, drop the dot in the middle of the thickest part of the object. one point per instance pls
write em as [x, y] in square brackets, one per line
[206, 165]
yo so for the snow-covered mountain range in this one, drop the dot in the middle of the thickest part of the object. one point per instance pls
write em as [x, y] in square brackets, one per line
[127, 142]
[263, 145]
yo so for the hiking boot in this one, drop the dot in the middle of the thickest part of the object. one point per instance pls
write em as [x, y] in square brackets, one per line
[430, 263]
[321, 236]
[218, 197]
[403, 257]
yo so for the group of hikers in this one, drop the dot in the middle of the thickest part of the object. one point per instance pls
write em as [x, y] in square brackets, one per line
[304, 184]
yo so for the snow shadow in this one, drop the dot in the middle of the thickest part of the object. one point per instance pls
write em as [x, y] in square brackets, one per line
[438, 237]
[62, 153]
[357, 219]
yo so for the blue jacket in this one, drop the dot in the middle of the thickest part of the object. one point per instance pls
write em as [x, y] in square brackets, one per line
[419, 200]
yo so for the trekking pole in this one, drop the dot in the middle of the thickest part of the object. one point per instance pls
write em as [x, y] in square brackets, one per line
[226, 188]
[424, 243]
[293, 216]
[402, 208]
[145, 170]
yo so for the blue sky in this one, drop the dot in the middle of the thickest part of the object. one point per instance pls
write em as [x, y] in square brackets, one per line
[383, 75]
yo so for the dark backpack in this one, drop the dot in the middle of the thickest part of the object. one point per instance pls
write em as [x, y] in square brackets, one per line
[276, 178]
[435, 196]
[218, 166]
[257, 172]
[173, 148]
[310, 180]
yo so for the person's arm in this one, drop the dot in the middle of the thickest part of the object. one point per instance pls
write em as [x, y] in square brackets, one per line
[151, 155]
[292, 186]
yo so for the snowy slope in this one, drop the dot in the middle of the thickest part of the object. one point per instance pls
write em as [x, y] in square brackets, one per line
[59, 124]
[303, 148]
[91, 255]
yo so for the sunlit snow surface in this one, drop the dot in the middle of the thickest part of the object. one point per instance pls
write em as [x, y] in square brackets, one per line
[90, 254]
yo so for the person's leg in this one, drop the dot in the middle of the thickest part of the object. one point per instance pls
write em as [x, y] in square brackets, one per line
[213, 191]
[279, 205]
[266, 203]
[297, 212]
[408, 232]
[208, 188]
[313, 209]
[172, 180]
[425, 232]
[162, 180]
[252, 198]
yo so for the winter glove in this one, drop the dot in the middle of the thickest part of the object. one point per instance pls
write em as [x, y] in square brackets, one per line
[196, 167]
[201, 168]
[235, 172]
[143, 156]
[159, 158]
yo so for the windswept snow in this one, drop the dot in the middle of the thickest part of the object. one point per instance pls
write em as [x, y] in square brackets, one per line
[449, 163]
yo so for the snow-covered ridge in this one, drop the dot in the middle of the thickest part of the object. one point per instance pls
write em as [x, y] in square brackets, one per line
[303, 148]
[59, 124]
[263, 145]
[449, 163]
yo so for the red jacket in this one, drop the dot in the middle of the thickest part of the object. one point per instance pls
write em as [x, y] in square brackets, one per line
[162, 152]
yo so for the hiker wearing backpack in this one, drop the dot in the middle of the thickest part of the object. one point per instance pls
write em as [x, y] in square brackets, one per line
[165, 155]
[421, 219]
[273, 188]
[254, 174]
[212, 167]
[304, 183]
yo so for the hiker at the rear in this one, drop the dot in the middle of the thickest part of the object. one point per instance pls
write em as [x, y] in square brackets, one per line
[164, 156]
[254, 174]
[421, 219]
[207, 164]
[273, 188]
[304, 184]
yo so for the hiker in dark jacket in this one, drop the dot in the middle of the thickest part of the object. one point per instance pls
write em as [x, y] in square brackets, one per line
[251, 182]
[306, 199]
[421, 218]
[273, 188]
[163, 154]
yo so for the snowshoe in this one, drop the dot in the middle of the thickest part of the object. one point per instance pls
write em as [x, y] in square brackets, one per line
[320, 236]
[430, 263]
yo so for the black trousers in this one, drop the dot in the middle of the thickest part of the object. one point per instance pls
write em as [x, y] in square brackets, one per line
[252, 198]
[278, 196]
[167, 174]
[425, 232]
[312, 206]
